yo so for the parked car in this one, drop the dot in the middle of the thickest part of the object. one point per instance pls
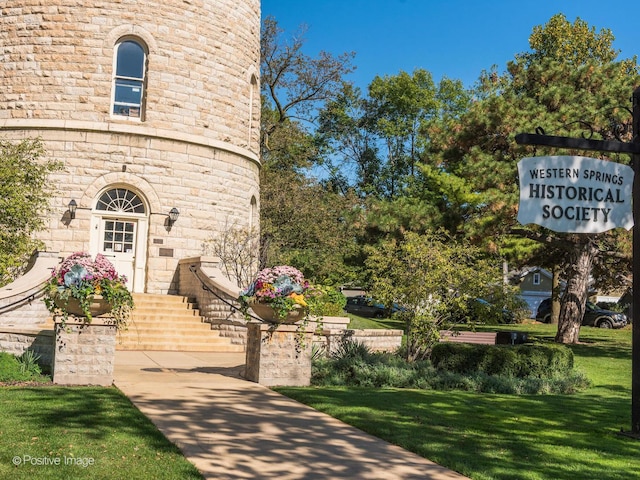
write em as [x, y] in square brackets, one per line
[594, 316]
[367, 307]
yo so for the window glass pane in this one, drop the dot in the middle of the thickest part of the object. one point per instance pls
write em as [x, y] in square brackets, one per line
[130, 60]
[120, 200]
[128, 91]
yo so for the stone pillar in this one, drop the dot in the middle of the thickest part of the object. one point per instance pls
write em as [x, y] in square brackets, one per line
[84, 353]
[278, 355]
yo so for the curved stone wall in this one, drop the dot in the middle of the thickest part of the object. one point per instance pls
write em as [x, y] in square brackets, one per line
[195, 147]
[57, 63]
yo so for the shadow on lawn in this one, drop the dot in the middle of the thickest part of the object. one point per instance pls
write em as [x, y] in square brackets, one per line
[602, 350]
[84, 422]
[500, 436]
[94, 412]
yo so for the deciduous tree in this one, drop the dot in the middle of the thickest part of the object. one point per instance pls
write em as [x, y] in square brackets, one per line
[303, 220]
[431, 276]
[24, 198]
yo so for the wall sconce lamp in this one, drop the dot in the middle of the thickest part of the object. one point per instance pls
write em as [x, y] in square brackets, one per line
[173, 216]
[73, 206]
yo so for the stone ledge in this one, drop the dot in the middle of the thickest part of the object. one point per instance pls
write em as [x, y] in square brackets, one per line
[377, 340]
[129, 129]
[27, 330]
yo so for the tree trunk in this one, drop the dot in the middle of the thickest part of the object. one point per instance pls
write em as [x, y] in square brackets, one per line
[572, 306]
[555, 295]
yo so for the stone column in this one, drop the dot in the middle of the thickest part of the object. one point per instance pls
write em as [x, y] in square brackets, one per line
[278, 355]
[84, 353]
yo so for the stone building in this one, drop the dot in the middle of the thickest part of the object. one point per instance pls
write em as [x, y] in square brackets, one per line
[153, 109]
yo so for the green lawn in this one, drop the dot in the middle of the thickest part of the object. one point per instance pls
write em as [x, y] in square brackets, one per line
[99, 434]
[68, 433]
[509, 437]
[358, 322]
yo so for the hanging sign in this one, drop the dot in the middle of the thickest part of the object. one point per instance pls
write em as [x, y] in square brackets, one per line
[575, 194]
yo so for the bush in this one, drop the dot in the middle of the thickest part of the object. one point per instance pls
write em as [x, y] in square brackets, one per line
[20, 369]
[348, 349]
[382, 370]
[519, 361]
[29, 363]
[325, 301]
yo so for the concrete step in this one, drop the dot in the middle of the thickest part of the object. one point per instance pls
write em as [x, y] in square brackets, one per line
[170, 327]
[170, 323]
[181, 347]
[179, 337]
[160, 301]
[186, 315]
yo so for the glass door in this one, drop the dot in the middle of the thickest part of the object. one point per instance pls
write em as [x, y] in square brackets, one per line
[118, 244]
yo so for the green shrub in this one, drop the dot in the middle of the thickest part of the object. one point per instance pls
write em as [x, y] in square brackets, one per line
[350, 349]
[325, 301]
[455, 357]
[379, 370]
[29, 363]
[518, 370]
[20, 369]
[520, 361]
[8, 366]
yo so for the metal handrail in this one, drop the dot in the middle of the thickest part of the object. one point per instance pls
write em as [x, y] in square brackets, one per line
[234, 308]
[27, 299]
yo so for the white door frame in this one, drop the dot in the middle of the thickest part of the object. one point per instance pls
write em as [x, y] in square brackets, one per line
[137, 283]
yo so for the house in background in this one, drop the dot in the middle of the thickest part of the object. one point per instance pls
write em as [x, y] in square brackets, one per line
[535, 285]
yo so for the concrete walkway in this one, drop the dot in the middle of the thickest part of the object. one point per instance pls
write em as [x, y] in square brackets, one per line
[231, 428]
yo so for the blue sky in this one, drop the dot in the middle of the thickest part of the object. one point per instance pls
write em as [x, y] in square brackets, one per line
[453, 38]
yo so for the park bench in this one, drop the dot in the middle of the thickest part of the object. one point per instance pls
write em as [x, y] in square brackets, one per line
[484, 338]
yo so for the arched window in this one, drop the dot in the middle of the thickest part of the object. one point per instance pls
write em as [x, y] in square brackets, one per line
[129, 79]
[253, 93]
[253, 214]
[120, 200]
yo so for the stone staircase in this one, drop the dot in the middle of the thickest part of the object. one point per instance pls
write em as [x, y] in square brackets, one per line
[170, 323]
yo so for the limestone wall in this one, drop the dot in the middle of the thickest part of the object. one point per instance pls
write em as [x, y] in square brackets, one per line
[195, 147]
[211, 188]
[57, 63]
[216, 308]
[17, 340]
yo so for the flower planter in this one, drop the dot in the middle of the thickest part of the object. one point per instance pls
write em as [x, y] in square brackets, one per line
[268, 314]
[97, 306]
[93, 281]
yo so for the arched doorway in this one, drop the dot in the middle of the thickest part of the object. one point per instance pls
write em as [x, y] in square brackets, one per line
[119, 226]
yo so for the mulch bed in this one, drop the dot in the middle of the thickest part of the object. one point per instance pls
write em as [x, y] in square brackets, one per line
[26, 383]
